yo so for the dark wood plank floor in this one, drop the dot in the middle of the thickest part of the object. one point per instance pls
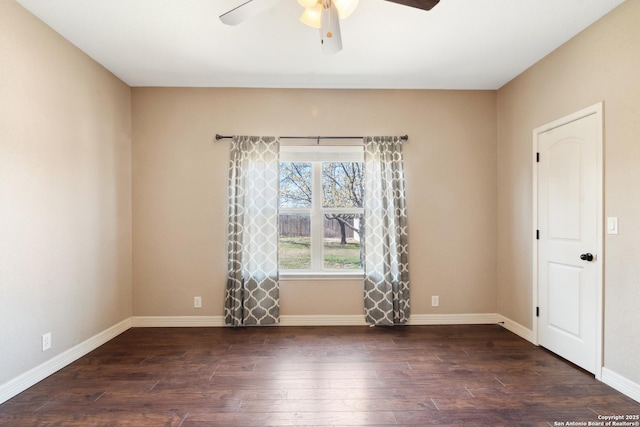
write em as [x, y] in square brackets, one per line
[316, 376]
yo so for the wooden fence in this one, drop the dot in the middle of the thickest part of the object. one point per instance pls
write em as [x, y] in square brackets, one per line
[299, 225]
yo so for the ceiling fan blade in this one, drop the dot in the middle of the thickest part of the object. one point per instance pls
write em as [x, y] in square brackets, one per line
[418, 4]
[330, 36]
[246, 10]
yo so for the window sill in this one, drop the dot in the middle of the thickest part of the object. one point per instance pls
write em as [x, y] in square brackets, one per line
[321, 276]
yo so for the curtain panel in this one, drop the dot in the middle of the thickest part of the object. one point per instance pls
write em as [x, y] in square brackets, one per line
[252, 290]
[386, 267]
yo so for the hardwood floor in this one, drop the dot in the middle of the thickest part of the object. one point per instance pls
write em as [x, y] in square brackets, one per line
[316, 376]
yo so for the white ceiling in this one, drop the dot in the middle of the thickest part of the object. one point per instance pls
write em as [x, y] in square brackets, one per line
[460, 44]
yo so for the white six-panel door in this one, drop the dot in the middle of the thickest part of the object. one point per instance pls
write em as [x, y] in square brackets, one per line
[568, 239]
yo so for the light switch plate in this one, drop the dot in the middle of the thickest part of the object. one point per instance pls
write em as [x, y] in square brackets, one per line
[612, 225]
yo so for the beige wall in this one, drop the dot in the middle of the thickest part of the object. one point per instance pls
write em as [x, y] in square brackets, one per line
[600, 64]
[65, 194]
[180, 178]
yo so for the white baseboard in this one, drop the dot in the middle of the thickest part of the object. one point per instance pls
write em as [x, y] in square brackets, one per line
[415, 319]
[516, 328]
[218, 321]
[176, 321]
[622, 384]
[322, 320]
[453, 319]
[316, 320]
[42, 371]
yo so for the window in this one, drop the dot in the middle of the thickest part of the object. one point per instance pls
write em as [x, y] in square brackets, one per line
[321, 209]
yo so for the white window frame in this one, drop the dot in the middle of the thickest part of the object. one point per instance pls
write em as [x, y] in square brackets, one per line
[316, 155]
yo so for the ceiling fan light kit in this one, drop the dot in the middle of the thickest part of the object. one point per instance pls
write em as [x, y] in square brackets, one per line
[322, 14]
[312, 16]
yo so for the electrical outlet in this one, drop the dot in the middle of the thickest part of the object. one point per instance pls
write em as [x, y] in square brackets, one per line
[46, 341]
[435, 301]
[197, 302]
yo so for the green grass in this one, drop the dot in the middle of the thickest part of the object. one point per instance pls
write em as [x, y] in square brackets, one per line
[337, 256]
[295, 254]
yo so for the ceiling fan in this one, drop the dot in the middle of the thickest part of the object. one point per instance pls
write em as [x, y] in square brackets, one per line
[322, 14]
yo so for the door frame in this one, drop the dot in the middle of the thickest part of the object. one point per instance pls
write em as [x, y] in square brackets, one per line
[596, 109]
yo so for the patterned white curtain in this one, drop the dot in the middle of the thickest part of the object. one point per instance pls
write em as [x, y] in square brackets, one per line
[386, 268]
[252, 292]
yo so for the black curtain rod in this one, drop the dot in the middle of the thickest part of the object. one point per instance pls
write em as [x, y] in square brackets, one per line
[316, 138]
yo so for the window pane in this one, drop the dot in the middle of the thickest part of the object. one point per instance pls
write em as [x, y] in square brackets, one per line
[295, 185]
[342, 242]
[342, 185]
[294, 250]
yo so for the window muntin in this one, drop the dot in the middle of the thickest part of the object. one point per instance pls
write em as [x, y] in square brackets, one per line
[321, 209]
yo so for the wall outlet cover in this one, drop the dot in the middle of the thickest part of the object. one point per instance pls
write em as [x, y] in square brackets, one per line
[46, 341]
